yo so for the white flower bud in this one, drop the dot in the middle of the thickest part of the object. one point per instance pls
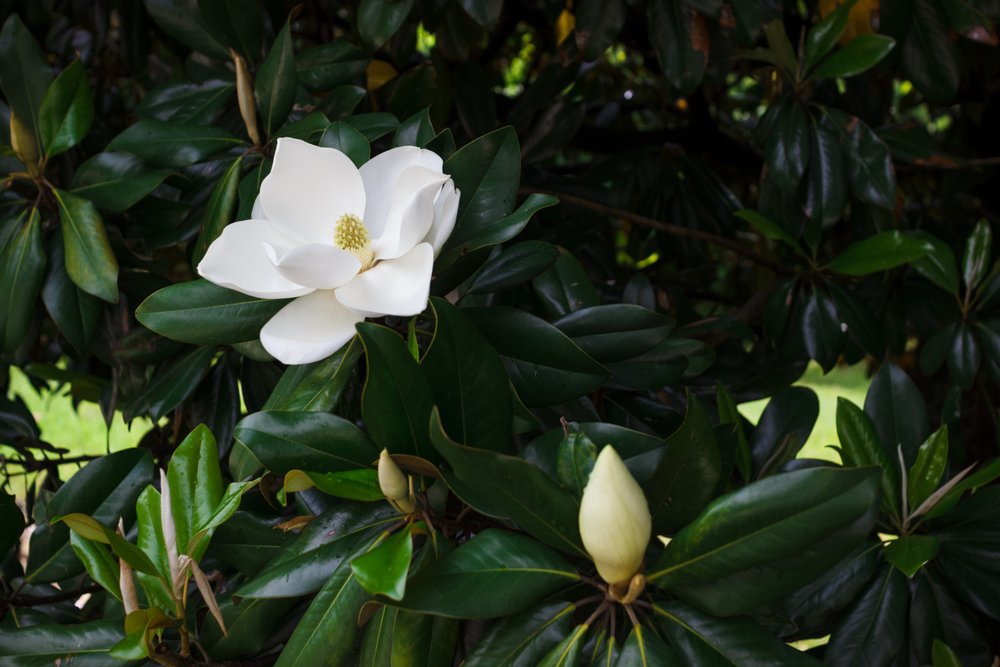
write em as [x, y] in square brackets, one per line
[614, 519]
[394, 483]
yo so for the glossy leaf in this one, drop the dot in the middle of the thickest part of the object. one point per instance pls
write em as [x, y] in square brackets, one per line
[67, 110]
[275, 82]
[565, 287]
[786, 146]
[859, 55]
[927, 470]
[468, 381]
[237, 22]
[879, 253]
[195, 485]
[84, 644]
[910, 553]
[171, 144]
[203, 313]
[348, 140]
[823, 36]
[219, 209]
[783, 428]
[523, 639]
[188, 103]
[826, 185]
[313, 441]
[496, 573]
[510, 488]
[326, 66]
[497, 230]
[115, 181]
[615, 332]
[25, 75]
[898, 411]
[397, 399]
[704, 640]
[315, 387]
[181, 20]
[544, 365]
[643, 648]
[172, 385]
[383, 569]
[678, 37]
[104, 489]
[769, 538]
[975, 261]
[938, 265]
[860, 445]
[90, 261]
[873, 631]
[964, 356]
[22, 269]
[928, 57]
[518, 263]
[685, 478]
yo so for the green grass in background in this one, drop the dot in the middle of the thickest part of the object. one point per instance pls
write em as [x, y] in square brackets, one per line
[80, 430]
[850, 382]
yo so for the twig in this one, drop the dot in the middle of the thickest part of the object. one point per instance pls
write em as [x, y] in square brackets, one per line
[670, 228]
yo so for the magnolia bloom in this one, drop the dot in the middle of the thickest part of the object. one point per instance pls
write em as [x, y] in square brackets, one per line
[345, 243]
[614, 519]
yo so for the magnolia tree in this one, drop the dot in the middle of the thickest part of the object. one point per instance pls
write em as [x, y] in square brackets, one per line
[441, 314]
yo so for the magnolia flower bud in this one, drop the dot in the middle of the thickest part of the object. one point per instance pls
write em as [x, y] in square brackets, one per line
[23, 143]
[614, 519]
[245, 98]
[394, 483]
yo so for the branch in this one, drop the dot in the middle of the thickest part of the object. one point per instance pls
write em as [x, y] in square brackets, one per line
[672, 229]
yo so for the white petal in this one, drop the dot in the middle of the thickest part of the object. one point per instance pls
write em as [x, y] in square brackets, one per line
[392, 287]
[238, 260]
[310, 188]
[309, 329]
[381, 174]
[410, 214]
[445, 212]
[257, 212]
[315, 265]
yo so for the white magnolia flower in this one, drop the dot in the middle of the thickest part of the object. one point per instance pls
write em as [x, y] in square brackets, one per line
[348, 243]
[614, 519]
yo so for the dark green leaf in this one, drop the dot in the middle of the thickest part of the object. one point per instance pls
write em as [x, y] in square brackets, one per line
[545, 367]
[938, 265]
[219, 209]
[821, 328]
[706, 641]
[964, 355]
[685, 479]
[82, 644]
[275, 82]
[496, 573]
[575, 460]
[976, 260]
[172, 385]
[378, 20]
[347, 140]
[250, 625]
[171, 144]
[383, 570]
[187, 103]
[203, 313]
[397, 399]
[873, 631]
[565, 287]
[823, 36]
[569, 651]
[237, 22]
[67, 111]
[786, 146]
[769, 538]
[24, 73]
[929, 58]
[313, 441]
[518, 263]
[783, 54]
[615, 332]
[522, 640]
[679, 38]
[881, 252]
[911, 552]
[928, 468]
[195, 486]
[783, 428]
[644, 648]
[860, 445]
[324, 67]
[484, 12]
[115, 181]
[898, 412]
[468, 381]
[315, 387]
[76, 313]
[106, 489]
[498, 231]
[373, 125]
[181, 20]
[859, 55]
[510, 488]
[22, 269]
[417, 130]
[869, 165]
[11, 523]
[90, 261]
[826, 182]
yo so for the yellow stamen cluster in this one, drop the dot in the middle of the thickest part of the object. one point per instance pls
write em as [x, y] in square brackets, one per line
[350, 234]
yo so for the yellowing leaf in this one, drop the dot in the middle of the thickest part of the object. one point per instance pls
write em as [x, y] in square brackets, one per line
[378, 73]
[859, 20]
[565, 24]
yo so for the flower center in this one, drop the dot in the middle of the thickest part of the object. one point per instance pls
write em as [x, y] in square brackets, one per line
[350, 234]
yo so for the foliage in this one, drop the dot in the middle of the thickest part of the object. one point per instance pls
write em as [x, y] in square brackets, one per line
[742, 187]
